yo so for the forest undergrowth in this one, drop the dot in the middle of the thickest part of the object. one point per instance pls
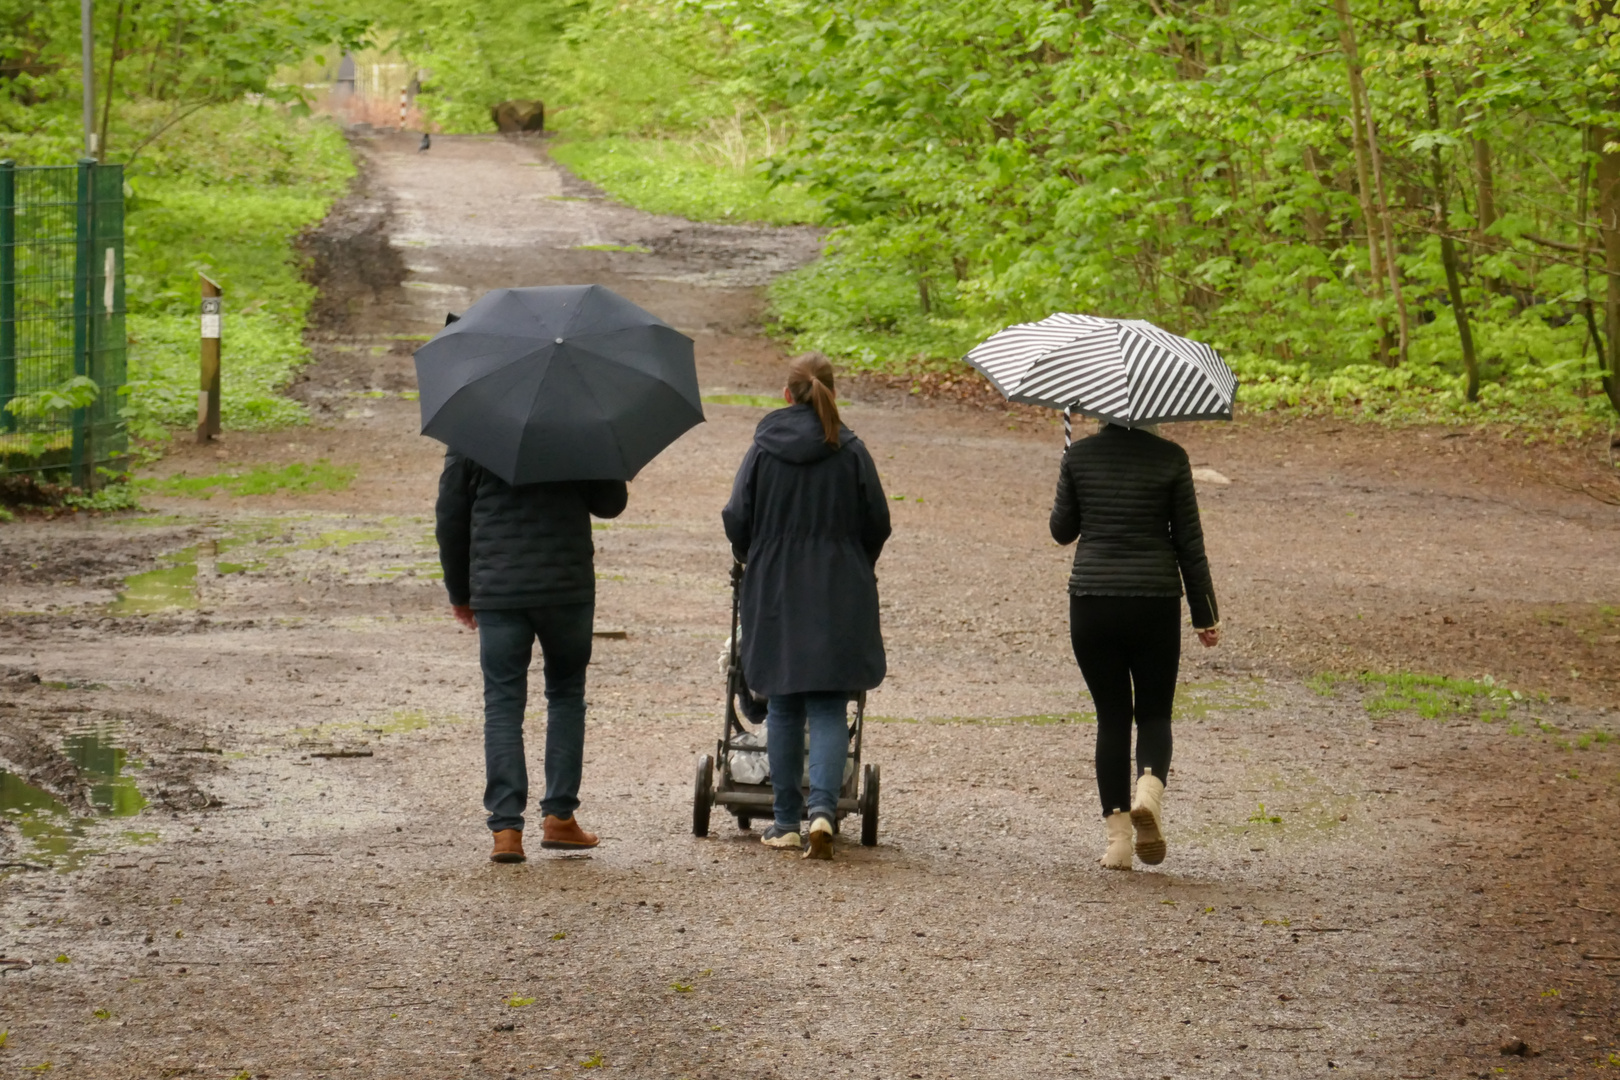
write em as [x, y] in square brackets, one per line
[1378, 208]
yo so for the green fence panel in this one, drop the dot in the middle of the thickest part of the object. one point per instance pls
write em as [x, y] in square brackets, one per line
[62, 317]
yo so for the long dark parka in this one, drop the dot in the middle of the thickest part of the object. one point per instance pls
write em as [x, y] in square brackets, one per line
[809, 518]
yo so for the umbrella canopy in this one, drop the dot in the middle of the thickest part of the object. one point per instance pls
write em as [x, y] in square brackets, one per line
[565, 382]
[1125, 371]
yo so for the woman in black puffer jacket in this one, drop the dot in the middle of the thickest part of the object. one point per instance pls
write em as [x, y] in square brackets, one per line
[1127, 495]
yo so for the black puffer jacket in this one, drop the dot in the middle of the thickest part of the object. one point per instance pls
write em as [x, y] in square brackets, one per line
[516, 547]
[1128, 496]
[810, 521]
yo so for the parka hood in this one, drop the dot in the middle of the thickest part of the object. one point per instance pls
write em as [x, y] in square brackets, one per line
[794, 434]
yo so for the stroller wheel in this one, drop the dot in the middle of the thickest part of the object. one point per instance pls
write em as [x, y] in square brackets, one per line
[702, 795]
[744, 822]
[869, 806]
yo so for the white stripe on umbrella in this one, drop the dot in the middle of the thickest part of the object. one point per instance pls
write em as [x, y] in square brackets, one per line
[1124, 370]
[1088, 361]
[1005, 357]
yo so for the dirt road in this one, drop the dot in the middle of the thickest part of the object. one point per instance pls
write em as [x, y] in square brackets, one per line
[255, 778]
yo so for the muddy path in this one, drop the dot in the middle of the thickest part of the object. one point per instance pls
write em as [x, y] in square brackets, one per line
[240, 739]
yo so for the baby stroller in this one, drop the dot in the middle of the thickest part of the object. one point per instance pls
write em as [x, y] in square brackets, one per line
[743, 783]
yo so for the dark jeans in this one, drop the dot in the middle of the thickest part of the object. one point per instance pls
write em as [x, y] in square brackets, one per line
[1126, 642]
[505, 645]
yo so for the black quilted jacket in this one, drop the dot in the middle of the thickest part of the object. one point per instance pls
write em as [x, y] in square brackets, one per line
[516, 547]
[1127, 495]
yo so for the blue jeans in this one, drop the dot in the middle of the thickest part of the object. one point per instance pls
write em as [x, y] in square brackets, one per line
[785, 719]
[505, 644]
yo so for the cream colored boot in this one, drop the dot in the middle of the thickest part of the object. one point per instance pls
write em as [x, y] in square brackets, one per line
[1118, 854]
[1147, 815]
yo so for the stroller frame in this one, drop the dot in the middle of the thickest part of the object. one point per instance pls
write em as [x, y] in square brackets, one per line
[715, 785]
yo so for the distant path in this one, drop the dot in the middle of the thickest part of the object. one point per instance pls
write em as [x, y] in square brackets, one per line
[1425, 890]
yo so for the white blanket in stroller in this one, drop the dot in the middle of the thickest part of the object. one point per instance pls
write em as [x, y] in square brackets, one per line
[750, 764]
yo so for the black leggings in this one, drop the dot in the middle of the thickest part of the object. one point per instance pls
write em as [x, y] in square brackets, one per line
[1120, 641]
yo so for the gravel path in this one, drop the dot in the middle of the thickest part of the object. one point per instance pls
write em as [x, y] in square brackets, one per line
[306, 893]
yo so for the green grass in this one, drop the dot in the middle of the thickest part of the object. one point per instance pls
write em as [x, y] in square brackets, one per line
[259, 480]
[685, 178]
[226, 196]
[1433, 697]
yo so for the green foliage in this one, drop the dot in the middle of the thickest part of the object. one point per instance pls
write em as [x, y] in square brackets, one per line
[690, 178]
[79, 392]
[172, 59]
[109, 498]
[227, 197]
[479, 54]
[260, 480]
[1194, 165]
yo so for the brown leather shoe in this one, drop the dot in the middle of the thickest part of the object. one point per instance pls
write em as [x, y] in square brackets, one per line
[508, 846]
[565, 832]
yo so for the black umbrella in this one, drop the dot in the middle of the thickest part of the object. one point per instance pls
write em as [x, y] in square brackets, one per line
[564, 382]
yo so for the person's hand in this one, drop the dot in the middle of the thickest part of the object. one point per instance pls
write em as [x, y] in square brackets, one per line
[464, 615]
[1210, 637]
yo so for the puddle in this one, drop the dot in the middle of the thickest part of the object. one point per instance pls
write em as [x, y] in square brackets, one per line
[50, 832]
[171, 587]
[183, 579]
[103, 762]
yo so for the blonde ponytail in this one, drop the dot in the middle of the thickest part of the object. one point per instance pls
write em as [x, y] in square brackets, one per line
[810, 382]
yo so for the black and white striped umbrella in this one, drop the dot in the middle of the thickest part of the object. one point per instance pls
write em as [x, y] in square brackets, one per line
[1125, 371]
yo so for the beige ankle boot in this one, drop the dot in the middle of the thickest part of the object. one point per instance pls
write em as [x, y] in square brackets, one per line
[1147, 815]
[1118, 854]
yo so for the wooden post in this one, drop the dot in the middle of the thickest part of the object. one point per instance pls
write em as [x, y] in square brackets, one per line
[208, 395]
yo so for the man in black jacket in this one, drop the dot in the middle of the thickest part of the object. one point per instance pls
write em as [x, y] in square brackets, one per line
[519, 564]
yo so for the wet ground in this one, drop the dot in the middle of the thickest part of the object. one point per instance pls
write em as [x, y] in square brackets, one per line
[239, 820]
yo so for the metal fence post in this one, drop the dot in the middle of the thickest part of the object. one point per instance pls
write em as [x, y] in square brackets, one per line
[208, 395]
[83, 455]
[8, 291]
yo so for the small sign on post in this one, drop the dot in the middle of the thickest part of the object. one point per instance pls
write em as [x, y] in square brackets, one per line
[208, 394]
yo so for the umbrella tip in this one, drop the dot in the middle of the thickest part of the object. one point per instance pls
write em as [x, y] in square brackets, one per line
[450, 317]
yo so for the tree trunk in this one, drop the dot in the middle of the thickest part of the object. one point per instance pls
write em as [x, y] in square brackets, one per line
[1391, 267]
[1377, 233]
[1484, 176]
[1442, 224]
[112, 67]
[1608, 214]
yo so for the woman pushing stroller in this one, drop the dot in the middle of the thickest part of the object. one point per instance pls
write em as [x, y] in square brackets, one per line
[808, 518]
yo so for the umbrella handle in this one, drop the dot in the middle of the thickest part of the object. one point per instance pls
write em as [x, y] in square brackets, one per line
[1068, 435]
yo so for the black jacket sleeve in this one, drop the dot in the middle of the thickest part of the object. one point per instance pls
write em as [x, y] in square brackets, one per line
[1065, 522]
[453, 528]
[875, 524]
[1187, 534]
[738, 515]
[606, 498]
